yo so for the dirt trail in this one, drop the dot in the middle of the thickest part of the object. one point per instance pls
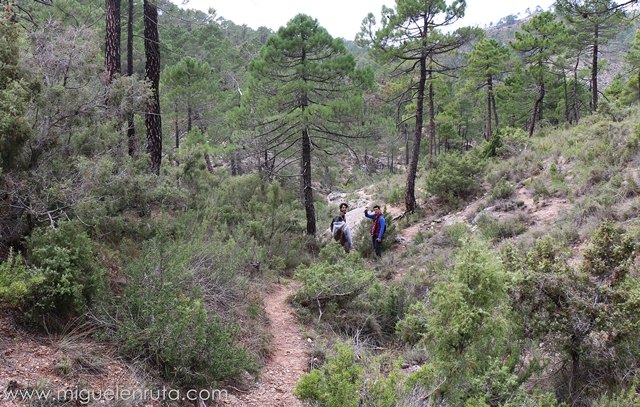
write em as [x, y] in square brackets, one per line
[288, 361]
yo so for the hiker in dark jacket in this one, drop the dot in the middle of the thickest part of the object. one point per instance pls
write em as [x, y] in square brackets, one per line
[377, 229]
[340, 230]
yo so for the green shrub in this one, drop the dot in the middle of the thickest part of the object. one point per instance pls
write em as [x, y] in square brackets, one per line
[71, 277]
[454, 177]
[512, 142]
[610, 253]
[469, 329]
[16, 280]
[498, 229]
[502, 190]
[334, 282]
[413, 327]
[336, 384]
[588, 316]
[362, 236]
[167, 313]
[176, 334]
[381, 387]
[624, 397]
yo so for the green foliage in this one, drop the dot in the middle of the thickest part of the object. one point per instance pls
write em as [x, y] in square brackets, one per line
[347, 296]
[268, 213]
[15, 93]
[498, 229]
[502, 190]
[454, 177]
[536, 399]
[336, 384]
[469, 328]
[64, 257]
[170, 312]
[624, 397]
[610, 253]
[588, 315]
[363, 235]
[16, 280]
[413, 327]
[333, 282]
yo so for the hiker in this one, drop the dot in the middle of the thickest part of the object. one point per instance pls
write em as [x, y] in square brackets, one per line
[340, 229]
[377, 229]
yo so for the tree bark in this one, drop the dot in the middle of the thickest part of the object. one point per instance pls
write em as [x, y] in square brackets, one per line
[153, 120]
[306, 183]
[489, 133]
[576, 112]
[112, 40]
[565, 88]
[594, 70]
[405, 131]
[409, 195]
[177, 127]
[535, 112]
[432, 117]
[495, 111]
[131, 128]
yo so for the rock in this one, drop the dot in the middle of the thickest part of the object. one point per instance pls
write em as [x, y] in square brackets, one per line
[336, 197]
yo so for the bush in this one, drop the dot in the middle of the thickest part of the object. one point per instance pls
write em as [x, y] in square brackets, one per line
[469, 329]
[610, 253]
[363, 236]
[413, 327]
[166, 315]
[16, 280]
[333, 282]
[502, 190]
[587, 316]
[348, 297]
[70, 275]
[336, 384]
[454, 177]
[498, 229]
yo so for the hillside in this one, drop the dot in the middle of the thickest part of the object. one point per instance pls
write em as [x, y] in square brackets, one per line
[167, 180]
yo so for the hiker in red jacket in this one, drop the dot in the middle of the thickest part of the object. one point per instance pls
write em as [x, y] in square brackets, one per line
[377, 229]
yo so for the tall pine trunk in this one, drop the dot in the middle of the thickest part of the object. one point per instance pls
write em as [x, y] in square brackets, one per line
[489, 94]
[153, 120]
[565, 89]
[594, 70]
[576, 111]
[537, 110]
[131, 129]
[495, 111]
[409, 194]
[432, 116]
[112, 40]
[307, 190]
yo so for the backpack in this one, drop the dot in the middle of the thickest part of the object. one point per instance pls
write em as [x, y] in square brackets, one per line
[338, 234]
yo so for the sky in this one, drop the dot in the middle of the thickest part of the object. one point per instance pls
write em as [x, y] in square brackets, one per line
[342, 18]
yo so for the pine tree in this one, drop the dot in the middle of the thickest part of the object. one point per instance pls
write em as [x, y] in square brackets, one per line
[188, 86]
[633, 58]
[112, 40]
[409, 34]
[486, 62]
[602, 20]
[304, 88]
[538, 43]
[14, 94]
[131, 130]
[153, 120]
